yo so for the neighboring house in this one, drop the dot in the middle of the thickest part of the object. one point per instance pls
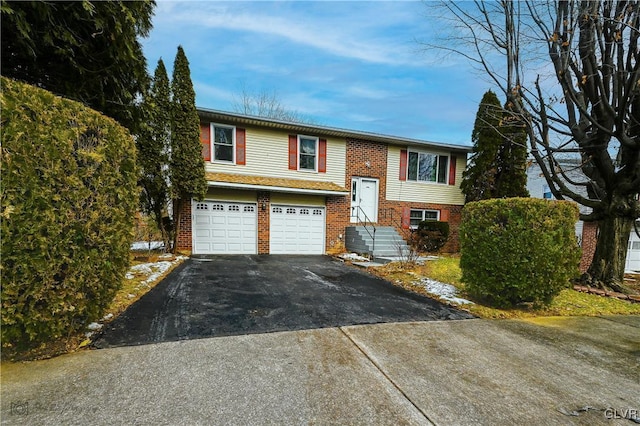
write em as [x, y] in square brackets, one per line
[586, 232]
[292, 188]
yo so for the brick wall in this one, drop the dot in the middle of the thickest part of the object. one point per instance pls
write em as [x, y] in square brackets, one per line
[184, 227]
[391, 215]
[337, 209]
[589, 237]
[264, 198]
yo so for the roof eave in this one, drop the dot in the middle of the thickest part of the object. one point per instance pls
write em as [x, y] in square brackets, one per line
[248, 186]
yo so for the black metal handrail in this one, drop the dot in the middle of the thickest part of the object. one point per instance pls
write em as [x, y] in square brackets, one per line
[407, 232]
[367, 221]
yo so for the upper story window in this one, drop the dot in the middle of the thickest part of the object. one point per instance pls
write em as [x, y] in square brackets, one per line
[427, 167]
[223, 143]
[307, 153]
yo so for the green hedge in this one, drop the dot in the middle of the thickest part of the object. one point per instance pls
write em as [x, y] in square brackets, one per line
[430, 236]
[518, 249]
[68, 202]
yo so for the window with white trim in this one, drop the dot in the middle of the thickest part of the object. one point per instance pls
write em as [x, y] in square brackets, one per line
[307, 153]
[427, 167]
[223, 143]
[417, 216]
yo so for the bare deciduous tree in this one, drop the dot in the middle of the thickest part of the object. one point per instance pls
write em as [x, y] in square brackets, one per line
[266, 104]
[570, 71]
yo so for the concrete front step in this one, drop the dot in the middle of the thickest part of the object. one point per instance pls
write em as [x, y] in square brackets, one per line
[388, 243]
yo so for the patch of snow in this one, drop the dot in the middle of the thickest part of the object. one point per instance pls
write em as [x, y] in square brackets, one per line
[443, 291]
[131, 296]
[146, 245]
[94, 326]
[152, 271]
[353, 256]
[128, 276]
[107, 317]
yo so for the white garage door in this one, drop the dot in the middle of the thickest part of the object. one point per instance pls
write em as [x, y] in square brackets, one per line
[633, 255]
[224, 228]
[296, 230]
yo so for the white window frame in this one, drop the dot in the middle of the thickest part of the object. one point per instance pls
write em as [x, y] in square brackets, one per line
[213, 143]
[437, 155]
[315, 159]
[423, 211]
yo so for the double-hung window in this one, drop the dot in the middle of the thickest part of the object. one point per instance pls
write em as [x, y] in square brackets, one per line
[427, 167]
[223, 143]
[417, 216]
[307, 153]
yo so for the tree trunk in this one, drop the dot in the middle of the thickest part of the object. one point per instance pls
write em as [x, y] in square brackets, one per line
[607, 267]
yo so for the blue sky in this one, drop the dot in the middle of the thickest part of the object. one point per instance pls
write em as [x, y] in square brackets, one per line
[357, 65]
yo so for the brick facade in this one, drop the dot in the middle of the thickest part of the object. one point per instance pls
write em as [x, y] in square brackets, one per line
[264, 211]
[589, 237]
[184, 227]
[337, 210]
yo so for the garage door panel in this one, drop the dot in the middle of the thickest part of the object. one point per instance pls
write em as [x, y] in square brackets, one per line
[203, 233]
[297, 230]
[218, 220]
[224, 228]
[202, 220]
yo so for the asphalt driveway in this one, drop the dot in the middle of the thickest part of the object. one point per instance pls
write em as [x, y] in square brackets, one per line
[235, 295]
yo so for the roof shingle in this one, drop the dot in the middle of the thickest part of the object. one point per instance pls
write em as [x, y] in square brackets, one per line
[313, 185]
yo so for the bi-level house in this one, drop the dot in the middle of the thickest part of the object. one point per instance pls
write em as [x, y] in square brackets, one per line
[291, 188]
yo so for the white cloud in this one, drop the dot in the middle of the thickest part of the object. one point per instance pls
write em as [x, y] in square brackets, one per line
[356, 36]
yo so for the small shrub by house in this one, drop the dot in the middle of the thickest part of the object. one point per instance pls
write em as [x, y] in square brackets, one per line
[430, 236]
[68, 203]
[518, 249]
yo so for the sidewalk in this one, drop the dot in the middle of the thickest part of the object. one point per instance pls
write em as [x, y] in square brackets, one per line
[542, 371]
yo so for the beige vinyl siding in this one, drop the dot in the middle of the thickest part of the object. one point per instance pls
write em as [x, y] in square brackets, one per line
[297, 199]
[223, 194]
[267, 154]
[422, 192]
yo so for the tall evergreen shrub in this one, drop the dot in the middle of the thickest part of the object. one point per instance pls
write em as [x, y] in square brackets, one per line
[518, 249]
[68, 202]
[187, 164]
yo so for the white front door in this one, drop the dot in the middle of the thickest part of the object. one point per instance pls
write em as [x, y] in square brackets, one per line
[364, 199]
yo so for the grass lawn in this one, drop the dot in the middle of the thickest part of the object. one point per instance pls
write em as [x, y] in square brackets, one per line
[447, 270]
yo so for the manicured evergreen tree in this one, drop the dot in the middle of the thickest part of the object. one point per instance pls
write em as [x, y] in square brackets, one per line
[511, 178]
[479, 179]
[187, 164]
[154, 144]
